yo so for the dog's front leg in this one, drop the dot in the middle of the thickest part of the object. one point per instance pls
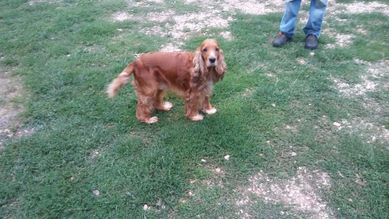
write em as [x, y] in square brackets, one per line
[207, 107]
[193, 105]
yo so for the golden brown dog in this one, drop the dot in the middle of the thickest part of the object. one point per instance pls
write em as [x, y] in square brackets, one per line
[190, 75]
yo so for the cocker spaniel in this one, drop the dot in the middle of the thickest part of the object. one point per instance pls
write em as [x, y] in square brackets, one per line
[189, 75]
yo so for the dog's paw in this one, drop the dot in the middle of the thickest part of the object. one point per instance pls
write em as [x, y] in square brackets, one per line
[197, 117]
[152, 120]
[211, 111]
[167, 106]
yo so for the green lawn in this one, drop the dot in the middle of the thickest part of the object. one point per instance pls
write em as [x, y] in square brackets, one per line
[301, 128]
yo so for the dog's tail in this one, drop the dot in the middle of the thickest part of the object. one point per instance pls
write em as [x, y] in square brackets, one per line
[120, 81]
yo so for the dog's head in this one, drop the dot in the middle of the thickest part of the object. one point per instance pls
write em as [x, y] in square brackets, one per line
[208, 56]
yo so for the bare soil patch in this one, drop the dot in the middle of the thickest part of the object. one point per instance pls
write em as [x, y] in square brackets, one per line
[180, 27]
[352, 90]
[246, 7]
[215, 178]
[373, 79]
[366, 129]
[121, 16]
[335, 9]
[144, 3]
[10, 89]
[370, 81]
[33, 2]
[248, 92]
[198, 188]
[218, 14]
[362, 7]
[301, 193]
[341, 40]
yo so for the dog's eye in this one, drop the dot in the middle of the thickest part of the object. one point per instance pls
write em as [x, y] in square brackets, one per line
[205, 49]
[217, 49]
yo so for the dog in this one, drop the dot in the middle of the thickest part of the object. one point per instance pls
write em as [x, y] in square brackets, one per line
[189, 75]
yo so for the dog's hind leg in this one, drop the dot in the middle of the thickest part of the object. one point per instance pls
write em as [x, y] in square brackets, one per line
[145, 108]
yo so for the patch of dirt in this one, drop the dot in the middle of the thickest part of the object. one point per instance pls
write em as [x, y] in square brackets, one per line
[291, 128]
[94, 154]
[93, 49]
[155, 208]
[376, 70]
[177, 27]
[33, 2]
[246, 7]
[370, 81]
[215, 179]
[270, 75]
[170, 47]
[199, 187]
[227, 35]
[361, 30]
[341, 40]
[160, 17]
[10, 89]
[144, 3]
[122, 16]
[334, 10]
[180, 27]
[367, 130]
[372, 106]
[301, 193]
[155, 17]
[349, 90]
[362, 7]
[248, 92]
[301, 61]
[218, 14]
[254, 7]
[190, 23]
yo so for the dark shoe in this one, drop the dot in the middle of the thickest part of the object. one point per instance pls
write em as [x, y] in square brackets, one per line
[311, 42]
[280, 40]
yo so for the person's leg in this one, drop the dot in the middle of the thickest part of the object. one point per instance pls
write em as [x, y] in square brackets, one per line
[316, 14]
[288, 21]
[313, 27]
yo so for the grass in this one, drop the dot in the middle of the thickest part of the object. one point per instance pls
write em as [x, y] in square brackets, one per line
[67, 52]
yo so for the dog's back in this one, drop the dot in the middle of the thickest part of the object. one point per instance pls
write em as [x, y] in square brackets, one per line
[165, 69]
[171, 63]
[168, 70]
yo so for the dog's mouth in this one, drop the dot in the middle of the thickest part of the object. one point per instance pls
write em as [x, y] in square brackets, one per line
[211, 65]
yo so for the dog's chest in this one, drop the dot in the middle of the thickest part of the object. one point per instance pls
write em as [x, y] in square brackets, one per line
[210, 84]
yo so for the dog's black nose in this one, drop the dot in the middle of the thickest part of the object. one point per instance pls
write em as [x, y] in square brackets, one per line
[212, 60]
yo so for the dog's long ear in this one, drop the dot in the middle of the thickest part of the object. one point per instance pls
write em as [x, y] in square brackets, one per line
[198, 63]
[221, 65]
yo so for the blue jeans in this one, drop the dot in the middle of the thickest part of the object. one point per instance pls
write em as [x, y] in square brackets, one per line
[316, 14]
